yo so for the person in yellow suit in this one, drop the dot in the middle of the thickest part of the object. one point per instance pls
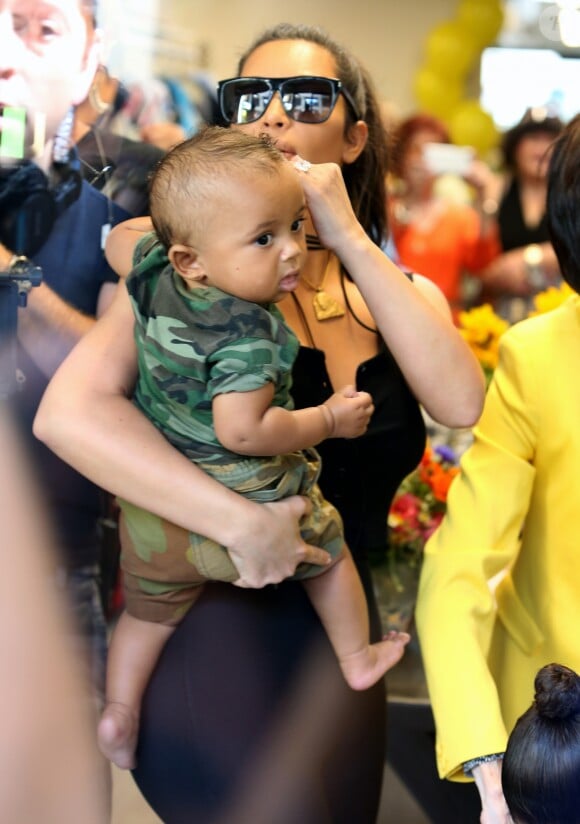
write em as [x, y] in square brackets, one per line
[512, 512]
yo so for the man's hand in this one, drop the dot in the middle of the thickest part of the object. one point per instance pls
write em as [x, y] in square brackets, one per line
[270, 548]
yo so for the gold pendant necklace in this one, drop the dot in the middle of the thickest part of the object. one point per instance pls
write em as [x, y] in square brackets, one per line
[324, 305]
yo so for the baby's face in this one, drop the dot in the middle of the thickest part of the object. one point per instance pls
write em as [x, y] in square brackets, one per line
[254, 245]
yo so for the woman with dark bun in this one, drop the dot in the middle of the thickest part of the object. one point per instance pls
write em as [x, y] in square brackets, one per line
[541, 766]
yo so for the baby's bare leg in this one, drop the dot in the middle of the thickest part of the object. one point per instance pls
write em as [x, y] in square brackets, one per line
[134, 651]
[338, 597]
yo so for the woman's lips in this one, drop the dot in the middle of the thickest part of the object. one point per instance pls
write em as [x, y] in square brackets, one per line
[287, 151]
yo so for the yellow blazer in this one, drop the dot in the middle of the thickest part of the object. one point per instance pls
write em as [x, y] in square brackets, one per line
[516, 505]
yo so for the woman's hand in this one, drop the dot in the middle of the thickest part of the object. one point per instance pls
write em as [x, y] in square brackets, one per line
[328, 202]
[508, 274]
[487, 184]
[494, 809]
[269, 546]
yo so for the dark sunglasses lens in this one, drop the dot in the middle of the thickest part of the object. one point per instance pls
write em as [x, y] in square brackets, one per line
[309, 100]
[244, 101]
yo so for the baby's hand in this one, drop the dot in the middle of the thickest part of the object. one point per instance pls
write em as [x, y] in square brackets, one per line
[350, 411]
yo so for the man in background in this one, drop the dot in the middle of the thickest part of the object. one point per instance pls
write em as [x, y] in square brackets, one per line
[51, 219]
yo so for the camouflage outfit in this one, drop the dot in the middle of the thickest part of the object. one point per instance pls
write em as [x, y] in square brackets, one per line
[193, 345]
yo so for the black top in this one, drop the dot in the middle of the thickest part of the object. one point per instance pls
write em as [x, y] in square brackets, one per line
[514, 233]
[361, 476]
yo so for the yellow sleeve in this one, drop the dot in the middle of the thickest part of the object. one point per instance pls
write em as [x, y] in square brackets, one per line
[478, 538]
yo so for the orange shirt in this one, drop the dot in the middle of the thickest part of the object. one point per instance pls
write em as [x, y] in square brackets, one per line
[451, 246]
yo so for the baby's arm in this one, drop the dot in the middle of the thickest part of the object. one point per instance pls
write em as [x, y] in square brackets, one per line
[248, 424]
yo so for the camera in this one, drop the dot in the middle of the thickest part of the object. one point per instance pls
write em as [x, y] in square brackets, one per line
[29, 205]
[30, 202]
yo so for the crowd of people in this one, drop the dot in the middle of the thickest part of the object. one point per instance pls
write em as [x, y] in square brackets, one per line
[247, 372]
[438, 236]
[486, 241]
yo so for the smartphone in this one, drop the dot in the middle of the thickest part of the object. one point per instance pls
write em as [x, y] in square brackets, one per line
[447, 159]
[12, 134]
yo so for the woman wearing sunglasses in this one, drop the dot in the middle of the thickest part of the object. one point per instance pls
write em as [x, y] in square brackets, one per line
[265, 730]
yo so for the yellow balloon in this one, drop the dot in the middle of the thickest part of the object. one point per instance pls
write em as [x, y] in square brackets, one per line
[470, 125]
[482, 20]
[435, 94]
[450, 50]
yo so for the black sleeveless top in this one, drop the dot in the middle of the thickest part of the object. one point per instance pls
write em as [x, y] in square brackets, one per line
[361, 476]
[514, 233]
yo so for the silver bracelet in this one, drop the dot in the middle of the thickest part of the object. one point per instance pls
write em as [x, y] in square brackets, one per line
[469, 766]
[533, 257]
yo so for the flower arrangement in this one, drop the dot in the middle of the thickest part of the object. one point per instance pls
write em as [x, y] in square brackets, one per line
[551, 298]
[416, 512]
[421, 500]
[420, 503]
[482, 327]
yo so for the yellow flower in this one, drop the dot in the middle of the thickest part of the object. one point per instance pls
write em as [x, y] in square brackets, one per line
[482, 328]
[550, 299]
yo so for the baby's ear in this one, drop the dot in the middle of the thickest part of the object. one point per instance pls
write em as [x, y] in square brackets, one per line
[187, 263]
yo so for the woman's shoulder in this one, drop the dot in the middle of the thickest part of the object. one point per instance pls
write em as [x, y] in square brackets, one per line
[431, 292]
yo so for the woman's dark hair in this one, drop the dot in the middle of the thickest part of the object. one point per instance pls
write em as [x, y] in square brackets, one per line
[563, 202]
[406, 130]
[541, 766]
[365, 178]
[534, 121]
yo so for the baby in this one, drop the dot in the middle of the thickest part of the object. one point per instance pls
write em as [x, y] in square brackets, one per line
[215, 360]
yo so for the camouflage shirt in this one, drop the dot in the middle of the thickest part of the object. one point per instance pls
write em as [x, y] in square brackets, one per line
[193, 345]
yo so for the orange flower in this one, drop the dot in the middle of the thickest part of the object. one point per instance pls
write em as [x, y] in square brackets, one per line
[441, 481]
[420, 503]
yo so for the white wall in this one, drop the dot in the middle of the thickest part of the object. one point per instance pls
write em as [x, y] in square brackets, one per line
[387, 35]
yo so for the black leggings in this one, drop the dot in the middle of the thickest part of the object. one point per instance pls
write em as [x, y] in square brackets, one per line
[248, 720]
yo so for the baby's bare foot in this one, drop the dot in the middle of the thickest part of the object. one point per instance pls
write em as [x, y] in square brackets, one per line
[364, 668]
[117, 734]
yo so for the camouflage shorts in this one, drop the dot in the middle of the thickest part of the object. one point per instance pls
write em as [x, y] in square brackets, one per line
[164, 565]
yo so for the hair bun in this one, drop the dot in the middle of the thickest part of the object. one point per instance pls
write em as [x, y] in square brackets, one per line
[557, 692]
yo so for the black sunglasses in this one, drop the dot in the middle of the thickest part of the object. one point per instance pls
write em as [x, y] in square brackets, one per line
[305, 99]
